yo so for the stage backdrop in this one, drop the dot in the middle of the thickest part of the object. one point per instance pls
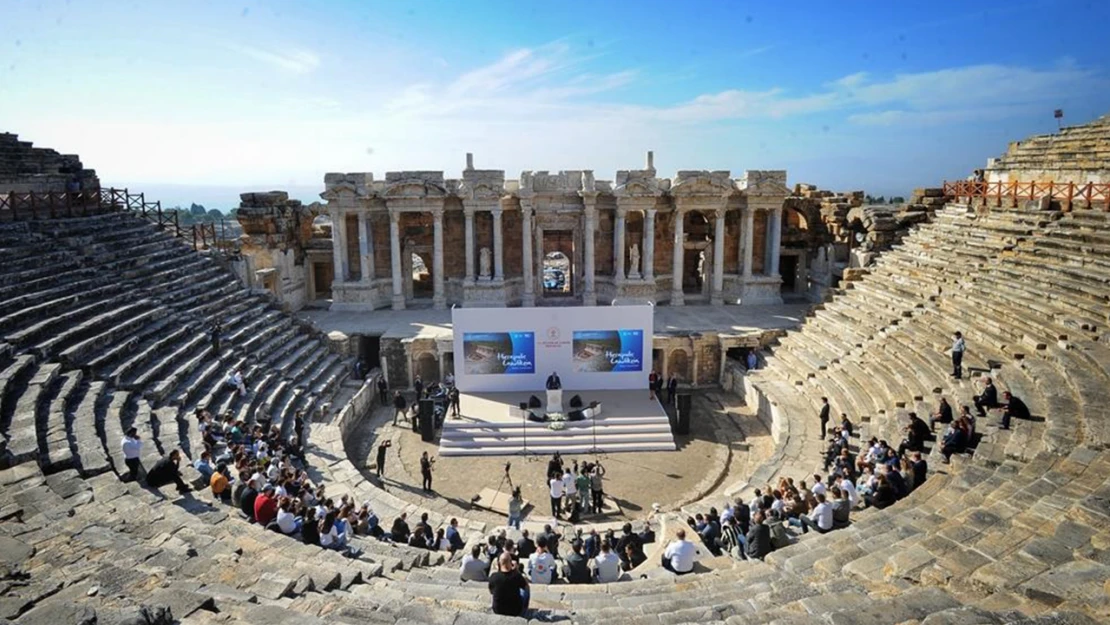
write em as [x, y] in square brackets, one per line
[515, 349]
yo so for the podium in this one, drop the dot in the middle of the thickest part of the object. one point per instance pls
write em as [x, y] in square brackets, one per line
[554, 400]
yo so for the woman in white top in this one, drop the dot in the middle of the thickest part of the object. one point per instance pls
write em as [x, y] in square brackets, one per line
[329, 537]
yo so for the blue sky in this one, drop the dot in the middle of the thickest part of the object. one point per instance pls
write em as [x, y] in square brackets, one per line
[196, 101]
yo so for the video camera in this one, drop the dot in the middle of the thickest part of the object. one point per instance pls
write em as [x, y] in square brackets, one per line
[508, 465]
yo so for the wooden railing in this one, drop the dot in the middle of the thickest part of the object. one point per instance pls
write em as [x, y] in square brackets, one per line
[1070, 195]
[28, 206]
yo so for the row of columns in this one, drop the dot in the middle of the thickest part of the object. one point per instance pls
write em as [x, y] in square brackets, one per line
[367, 265]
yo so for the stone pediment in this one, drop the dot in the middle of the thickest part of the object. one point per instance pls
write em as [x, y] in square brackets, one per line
[637, 183]
[337, 184]
[702, 183]
[482, 184]
[766, 182]
[414, 184]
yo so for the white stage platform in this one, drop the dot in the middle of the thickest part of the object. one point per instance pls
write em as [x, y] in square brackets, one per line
[629, 421]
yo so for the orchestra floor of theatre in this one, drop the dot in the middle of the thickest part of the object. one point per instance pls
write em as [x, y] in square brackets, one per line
[711, 459]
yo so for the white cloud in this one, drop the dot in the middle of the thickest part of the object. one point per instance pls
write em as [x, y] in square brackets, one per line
[294, 60]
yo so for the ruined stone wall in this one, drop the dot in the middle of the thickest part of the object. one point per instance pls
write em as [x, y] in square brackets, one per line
[26, 169]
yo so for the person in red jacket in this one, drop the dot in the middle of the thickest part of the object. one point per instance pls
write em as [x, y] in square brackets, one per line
[265, 506]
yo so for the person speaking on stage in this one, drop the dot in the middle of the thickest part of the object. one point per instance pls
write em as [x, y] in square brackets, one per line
[553, 382]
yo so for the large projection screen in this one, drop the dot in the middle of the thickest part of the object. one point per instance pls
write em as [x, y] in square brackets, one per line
[515, 349]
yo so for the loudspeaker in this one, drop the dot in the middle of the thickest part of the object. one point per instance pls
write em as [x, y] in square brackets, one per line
[682, 416]
[537, 418]
[575, 415]
[534, 402]
[524, 405]
[576, 401]
[427, 420]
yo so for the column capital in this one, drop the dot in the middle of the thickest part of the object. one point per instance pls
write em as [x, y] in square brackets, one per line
[395, 216]
[437, 213]
[497, 211]
[622, 211]
[526, 210]
[650, 212]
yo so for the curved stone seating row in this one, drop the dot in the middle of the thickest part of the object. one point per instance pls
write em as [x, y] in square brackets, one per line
[129, 307]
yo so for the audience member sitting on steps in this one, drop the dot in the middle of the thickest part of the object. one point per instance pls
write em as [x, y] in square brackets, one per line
[820, 519]
[220, 483]
[132, 449]
[265, 506]
[607, 566]
[954, 441]
[474, 568]
[987, 398]
[917, 431]
[1014, 408]
[942, 415]
[541, 566]
[166, 471]
[679, 556]
[508, 588]
[577, 569]
[235, 380]
[759, 537]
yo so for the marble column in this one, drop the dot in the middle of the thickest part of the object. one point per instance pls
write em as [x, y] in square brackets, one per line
[748, 240]
[339, 245]
[498, 247]
[677, 298]
[649, 245]
[715, 296]
[395, 260]
[776, 239]
[589, 297]
[469, 238]
[439, 299]
[529, 297]
[365, 248]
[618, 245]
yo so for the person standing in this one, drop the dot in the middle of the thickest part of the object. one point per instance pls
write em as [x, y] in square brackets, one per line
[553, 382]
[383, 390]
[399, 406]
[426, 471]
[382, 447]
[418, 386]
[214, 334]
[556, 485]
[515, 505]
[132, 449]
[958, 349]
[596, 487]
[824, 416]
[672, 388]
[653, 377]
[453, 395]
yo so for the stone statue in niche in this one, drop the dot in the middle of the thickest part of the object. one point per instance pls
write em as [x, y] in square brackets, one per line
[483, 263]
[634, 261]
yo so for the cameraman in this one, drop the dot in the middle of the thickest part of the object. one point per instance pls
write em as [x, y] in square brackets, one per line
[596, 487]
[382, 447]
[426, 471]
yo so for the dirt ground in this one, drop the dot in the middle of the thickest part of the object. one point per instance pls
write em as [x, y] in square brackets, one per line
[634, 480]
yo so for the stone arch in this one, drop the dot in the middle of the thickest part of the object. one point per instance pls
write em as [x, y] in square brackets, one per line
[678, 363]
[421, 275]
[697, 226]
[427, 367]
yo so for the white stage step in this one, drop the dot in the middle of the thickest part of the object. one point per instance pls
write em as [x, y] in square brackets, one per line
[629, 422]
[562, 448]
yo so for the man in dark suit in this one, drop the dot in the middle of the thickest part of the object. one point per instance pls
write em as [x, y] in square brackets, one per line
[672, 388]
[824, 416]
[553, 382]
[988, 398]
[1014, 409]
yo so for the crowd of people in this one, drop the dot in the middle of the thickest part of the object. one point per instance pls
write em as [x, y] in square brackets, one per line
[575, 489]
[509, 567]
